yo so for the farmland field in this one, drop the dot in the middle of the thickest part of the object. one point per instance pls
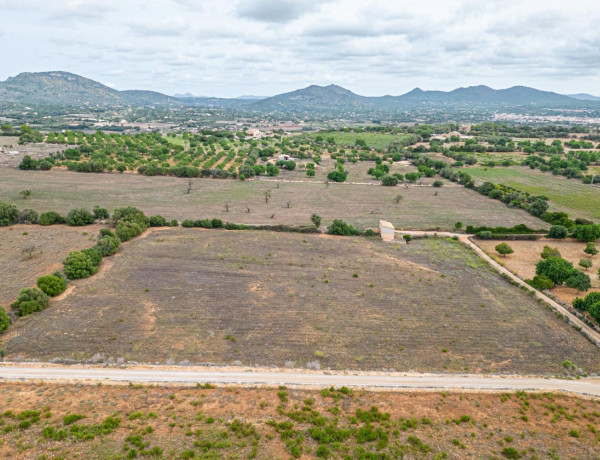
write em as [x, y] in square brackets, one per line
[51, 245]
[373, 140]
[234, 422]
[359, 205]
[280, 299]
[568, 195]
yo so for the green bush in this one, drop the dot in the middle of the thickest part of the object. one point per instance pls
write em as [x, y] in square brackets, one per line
[389, 181]
[51, 285]
[217, 223]
[339, 227]
[79, 216]
[157, 221]
[30, 300]
[587, 233]
[8, 214]
[550, 252]
[504, 249]
[579, 280]
[100, 213]
[4, 320]
[556, 269]
[106, 232]
[485, 235]
[94, 254]
[77, 265]
[541, 283]
[370, 232]
[558, 232]
[438, 183]
[585, 303]
[127, 230]
[337, 176]
[316, 220]
[173, 223]
[51, 218]
[187, 223]
[133, 215]
[108, 245]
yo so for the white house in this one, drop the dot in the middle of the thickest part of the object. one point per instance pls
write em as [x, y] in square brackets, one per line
[386, 230]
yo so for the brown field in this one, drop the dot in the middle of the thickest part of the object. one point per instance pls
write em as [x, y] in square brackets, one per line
[52, 245]
[36, 151]
[280, 299]
[360, 205]
[184, 422]
[527, 254]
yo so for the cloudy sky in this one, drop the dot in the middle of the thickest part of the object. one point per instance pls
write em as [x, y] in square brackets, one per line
[263, 47]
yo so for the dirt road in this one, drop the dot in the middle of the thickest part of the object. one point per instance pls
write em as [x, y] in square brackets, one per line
[584, 386]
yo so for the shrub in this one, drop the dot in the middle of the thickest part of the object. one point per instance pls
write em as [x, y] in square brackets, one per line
[30, 300]
[438, 183]
[339, 227]
[585, 263]
[127, 230]
[100, 213]
[337, 176]
[485, 235]
[369, 232]
[585, 303]
[108, 245]
[217, 223]
[541, 283]
[310, 173]
[579, 280]
[558, 232]
[187, 223]
[173, 223]
[4, 320]
[157, 221]
[538, 207]
[203, 223]
[590, 249]
[77, 265]
[94, 255]
[555, 268]
[389, 181]
[316, 220]
[407, 238]
[51, 285]
[27, 163]
[132, 215]
[587, 233]
[106, 232]
[272, 170]
[550, 252]
[79, 216]
[28, 216]
[51, 218]
[8, 214]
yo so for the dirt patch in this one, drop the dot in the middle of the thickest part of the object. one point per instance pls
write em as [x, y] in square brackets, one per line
[227, 422]
[280, 299]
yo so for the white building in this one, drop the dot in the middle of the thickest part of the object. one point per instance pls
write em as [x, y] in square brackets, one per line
[386, 230]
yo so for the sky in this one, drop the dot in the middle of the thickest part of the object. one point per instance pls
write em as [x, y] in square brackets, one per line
[264, 47]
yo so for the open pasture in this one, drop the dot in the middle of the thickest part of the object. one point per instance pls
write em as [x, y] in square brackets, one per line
[316, 301]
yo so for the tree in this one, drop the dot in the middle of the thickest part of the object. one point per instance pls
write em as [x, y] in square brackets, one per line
[128, 230]
[8, 214]
[6, 128]
[316, 220]
[24, 194]
[78, 265]
[541, 283]
[28, 216]
[339, 227]
[28, 251]
[504, 249]
[579, 280]
[585, 303]
[108, 245]
[30, 300]
[27, 163]
[310, 173]
[100, 213]
[458, 225]
[337, 176]
[398, 198]
[4, 320]
[590, 249]
[407, 238]
[94, 255]
[558, 232]
[157, 221]
[550, 252]
[50, 218]
[538, 207]
[272, 170]
[438, 183]
[555, 268]
[412, 176]
[51, 285]
[79, 216]
[587, 233]
[585, 263]
[133, 215]
[267, 194]
[389, 181]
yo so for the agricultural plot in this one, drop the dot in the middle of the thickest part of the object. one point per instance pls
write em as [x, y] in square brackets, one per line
[568, 195]
[527, 254]
[349, 138]
[179, 422]
[30, 251]
[360, 205]
[280, 299]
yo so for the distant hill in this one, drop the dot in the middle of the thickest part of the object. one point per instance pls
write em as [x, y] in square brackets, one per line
[584, 97]
[67, 89]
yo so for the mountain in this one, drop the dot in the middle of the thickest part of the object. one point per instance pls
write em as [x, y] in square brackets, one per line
[250, 97]
[313, 97]
[67, 89]
[584, 97]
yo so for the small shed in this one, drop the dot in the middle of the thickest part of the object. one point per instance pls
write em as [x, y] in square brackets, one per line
[386, 230]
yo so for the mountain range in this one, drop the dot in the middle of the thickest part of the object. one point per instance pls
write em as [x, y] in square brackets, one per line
[67, 89]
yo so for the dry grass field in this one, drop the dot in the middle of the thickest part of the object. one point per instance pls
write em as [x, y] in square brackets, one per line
[52, 245]
[527, 254]
[360, 205]
[280, 299]
[110, 422]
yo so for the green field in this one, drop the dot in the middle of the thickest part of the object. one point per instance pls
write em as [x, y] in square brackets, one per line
[373, 140]
[568, 195]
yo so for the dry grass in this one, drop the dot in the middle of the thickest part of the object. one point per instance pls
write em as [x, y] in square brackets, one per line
[527, 254]
[287, 299]
[360, 205]
[420, 425]
[52, 245]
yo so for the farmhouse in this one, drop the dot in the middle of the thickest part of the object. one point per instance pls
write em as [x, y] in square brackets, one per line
[254, 133]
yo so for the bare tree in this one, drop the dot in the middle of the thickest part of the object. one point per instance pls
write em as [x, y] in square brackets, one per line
[272, 216]
[226, 207]
[326, 182]
[289, 204]
[248, 209]
[189, 188]
[398, 198]
[25, 194]
[28, 251]
[267, 196]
